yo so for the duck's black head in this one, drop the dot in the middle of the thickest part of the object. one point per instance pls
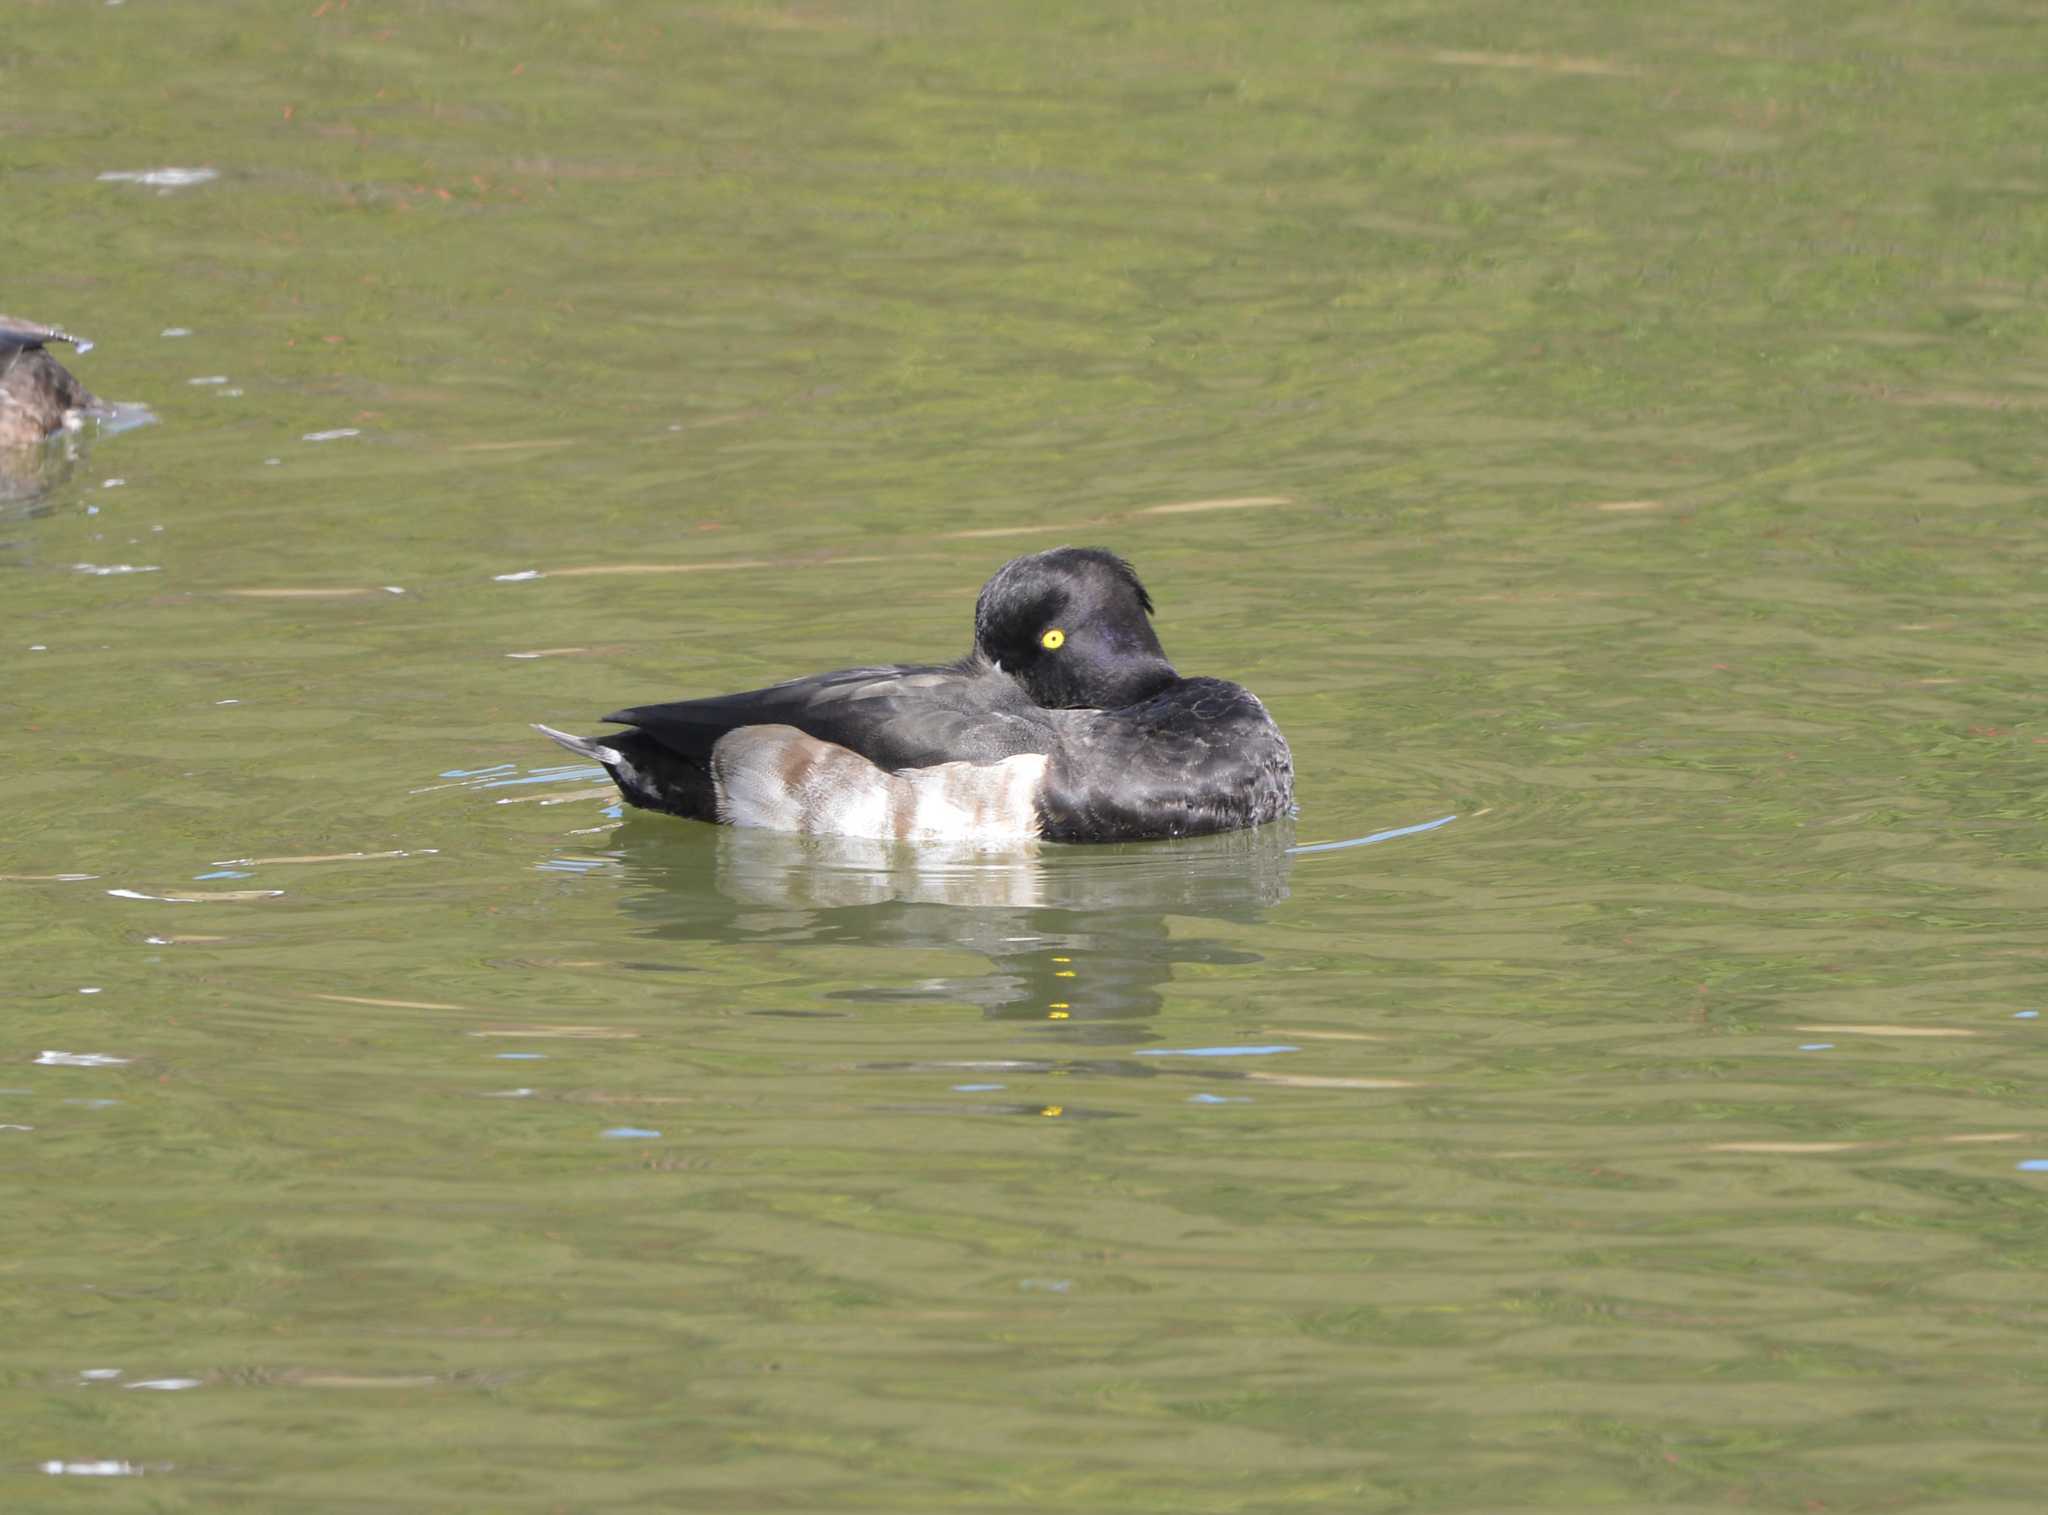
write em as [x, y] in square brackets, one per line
[1071, 626]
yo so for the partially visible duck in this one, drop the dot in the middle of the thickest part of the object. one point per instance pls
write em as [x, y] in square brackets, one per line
[37, 395]
[1066, 722]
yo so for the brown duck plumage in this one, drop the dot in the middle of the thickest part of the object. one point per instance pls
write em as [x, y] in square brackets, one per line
[37, 395]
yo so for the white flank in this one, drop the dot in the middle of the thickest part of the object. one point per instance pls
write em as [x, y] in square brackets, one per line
[778, 779]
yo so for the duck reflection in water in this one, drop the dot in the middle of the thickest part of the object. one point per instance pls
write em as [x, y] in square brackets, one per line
[1073, 934]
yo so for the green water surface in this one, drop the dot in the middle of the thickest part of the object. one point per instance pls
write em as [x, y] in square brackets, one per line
[1617, 427]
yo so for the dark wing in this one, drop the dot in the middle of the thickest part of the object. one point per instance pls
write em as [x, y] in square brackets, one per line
[15, 332]
[902, 716]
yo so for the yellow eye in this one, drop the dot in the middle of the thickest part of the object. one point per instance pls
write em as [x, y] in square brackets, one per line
[1053, 640]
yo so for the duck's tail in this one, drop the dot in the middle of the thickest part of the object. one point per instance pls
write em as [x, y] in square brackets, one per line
[582, 746]
[648, 774]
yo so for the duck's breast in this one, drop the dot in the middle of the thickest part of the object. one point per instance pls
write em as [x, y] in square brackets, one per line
[1202, 757]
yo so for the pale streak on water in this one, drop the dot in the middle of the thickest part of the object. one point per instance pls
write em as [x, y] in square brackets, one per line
[1607, 439]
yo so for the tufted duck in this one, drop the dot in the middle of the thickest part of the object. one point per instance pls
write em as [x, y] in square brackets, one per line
[1065, 722]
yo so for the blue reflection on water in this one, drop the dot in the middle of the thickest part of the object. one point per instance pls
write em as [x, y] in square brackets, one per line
[548, 776]
[1377, 836]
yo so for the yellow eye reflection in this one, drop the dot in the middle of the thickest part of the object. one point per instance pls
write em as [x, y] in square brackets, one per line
[1053, 640]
